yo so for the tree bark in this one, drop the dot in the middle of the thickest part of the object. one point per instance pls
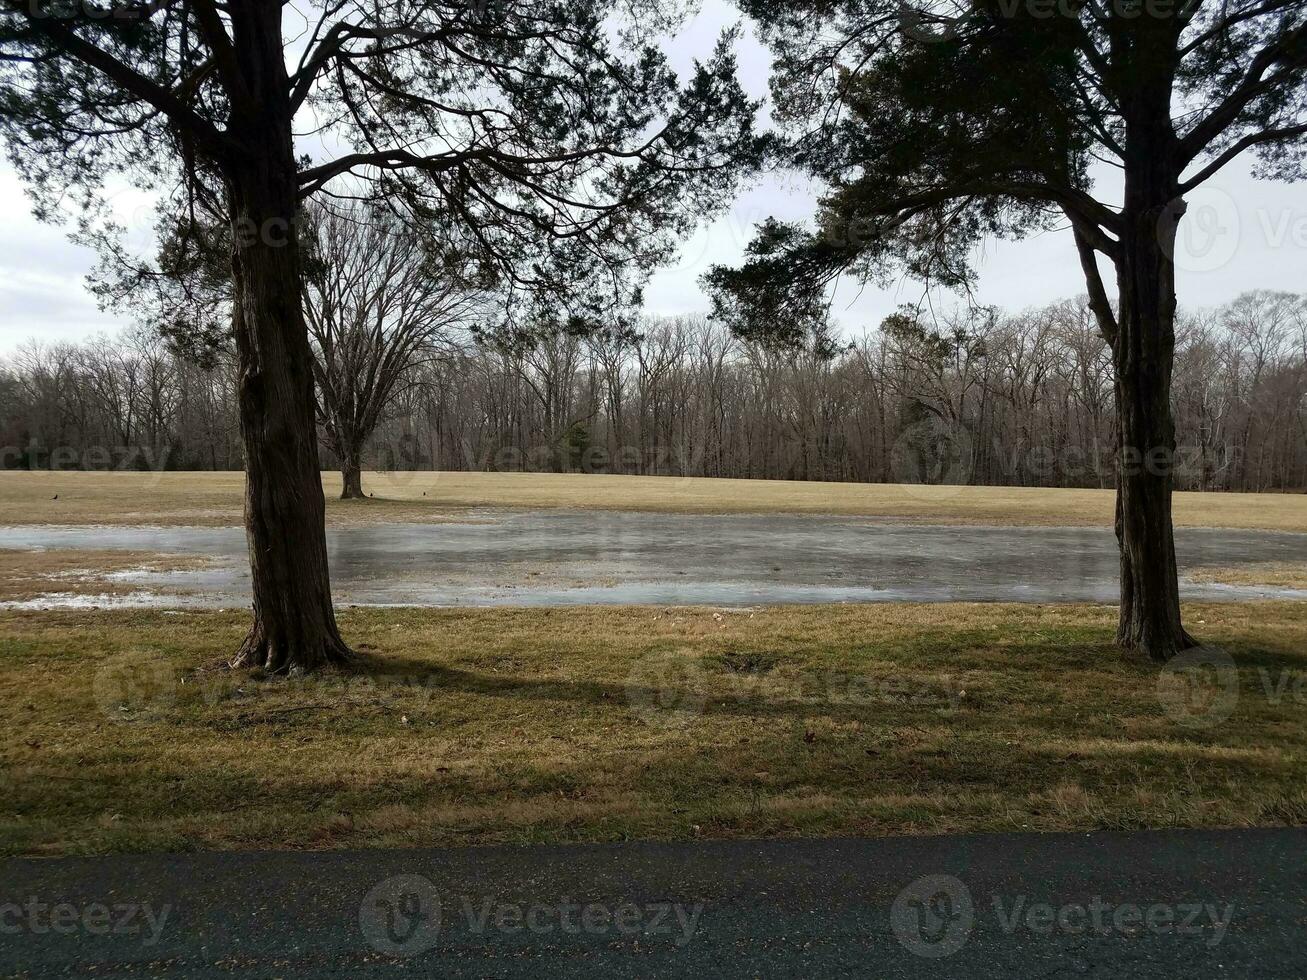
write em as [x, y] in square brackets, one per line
[351, 474]
[1143, 356]
[294, 627]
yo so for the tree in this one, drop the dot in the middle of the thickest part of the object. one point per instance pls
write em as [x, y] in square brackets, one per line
[544, 356]
[380, 296]
[554, 137]
[937, 126]
[381, 299]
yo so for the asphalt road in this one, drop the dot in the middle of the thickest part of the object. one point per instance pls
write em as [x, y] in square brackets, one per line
[1167, 904]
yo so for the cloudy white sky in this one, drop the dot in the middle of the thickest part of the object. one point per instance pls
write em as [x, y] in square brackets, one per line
[1240, 234]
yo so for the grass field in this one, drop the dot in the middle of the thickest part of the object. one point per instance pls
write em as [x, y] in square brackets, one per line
[123, 731]
[608, 724]
[215, 499]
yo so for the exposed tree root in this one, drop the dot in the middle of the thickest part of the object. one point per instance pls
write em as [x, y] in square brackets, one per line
[281, 655]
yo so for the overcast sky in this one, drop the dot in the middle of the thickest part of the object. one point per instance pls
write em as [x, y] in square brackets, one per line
[1240, 234]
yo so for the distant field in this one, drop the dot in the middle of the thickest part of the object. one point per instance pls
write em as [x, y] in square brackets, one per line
[215, 499]
[121, 731]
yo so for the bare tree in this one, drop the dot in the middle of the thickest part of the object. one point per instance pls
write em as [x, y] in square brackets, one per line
[381, 299]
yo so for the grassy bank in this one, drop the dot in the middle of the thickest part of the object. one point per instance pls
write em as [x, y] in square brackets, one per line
[609, 724]
[214, 499]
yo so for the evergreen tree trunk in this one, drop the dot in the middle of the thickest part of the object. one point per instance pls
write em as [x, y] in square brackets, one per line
[1143, 356]
[294, 623]
[1150, 596]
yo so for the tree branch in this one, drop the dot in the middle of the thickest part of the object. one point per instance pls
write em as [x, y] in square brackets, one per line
[145, 89]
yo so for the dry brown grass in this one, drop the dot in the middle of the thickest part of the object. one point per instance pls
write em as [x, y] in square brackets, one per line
[27, 575]
[179, 499]
[478, 726]
[1272, 574]
[215, 499]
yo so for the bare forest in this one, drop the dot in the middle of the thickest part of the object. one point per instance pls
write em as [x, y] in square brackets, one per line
[969, 397]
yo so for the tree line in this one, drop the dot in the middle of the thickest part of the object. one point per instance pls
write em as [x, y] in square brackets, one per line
[973, 396]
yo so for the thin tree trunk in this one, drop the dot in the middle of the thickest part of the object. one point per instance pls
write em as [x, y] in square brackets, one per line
[294, 625]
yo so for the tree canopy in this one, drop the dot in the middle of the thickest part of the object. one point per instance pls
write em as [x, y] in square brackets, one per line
[555, 137]
[935, 126]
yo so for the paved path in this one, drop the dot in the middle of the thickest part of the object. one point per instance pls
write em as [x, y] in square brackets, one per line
[1169, 904]
[531, 558]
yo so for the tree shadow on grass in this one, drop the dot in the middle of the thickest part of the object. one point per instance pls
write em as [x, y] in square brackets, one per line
[704, 692]
[710, 689]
